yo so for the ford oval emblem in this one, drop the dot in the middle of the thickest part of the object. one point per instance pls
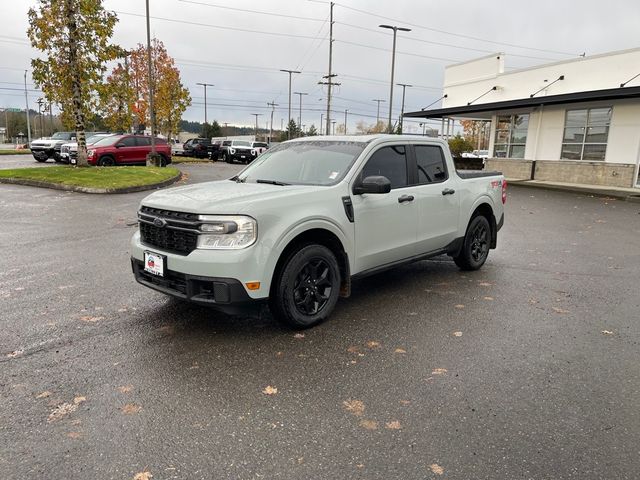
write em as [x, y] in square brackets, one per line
[159, 222]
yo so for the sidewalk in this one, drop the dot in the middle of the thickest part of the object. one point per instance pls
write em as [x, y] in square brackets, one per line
[628, 194]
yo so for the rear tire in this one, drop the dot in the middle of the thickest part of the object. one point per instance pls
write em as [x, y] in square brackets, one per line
[107, 161]
[477, 242]
[306, 290]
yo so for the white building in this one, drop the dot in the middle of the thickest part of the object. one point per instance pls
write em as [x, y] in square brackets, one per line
[574, 121]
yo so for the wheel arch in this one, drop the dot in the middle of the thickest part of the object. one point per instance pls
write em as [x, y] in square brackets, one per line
[486, 210]
[320, 236]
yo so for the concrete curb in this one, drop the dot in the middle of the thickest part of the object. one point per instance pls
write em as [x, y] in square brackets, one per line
[620, 195]
[75, 188]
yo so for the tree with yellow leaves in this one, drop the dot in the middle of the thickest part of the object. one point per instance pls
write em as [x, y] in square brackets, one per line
[74, 38]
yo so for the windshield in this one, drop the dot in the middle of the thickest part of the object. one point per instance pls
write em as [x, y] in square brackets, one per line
[94, 138]
[240, 143]
[107, 141]
[319, 162]
[62, 136]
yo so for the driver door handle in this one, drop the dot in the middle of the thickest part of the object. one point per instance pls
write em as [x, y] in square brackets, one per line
[405, 198]
[448, 191]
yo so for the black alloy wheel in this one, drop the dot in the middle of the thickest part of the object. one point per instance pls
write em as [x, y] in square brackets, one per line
[312, 288]
[107, 161]
[477, 242]
[306, 289]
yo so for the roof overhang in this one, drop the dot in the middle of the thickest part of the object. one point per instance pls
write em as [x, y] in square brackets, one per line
[482, 109]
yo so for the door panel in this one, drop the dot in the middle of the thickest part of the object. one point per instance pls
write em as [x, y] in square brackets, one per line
[437, 199]
[127, 152]
[385, 227]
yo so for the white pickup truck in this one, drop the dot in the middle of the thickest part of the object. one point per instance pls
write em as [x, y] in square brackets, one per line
[311, 215]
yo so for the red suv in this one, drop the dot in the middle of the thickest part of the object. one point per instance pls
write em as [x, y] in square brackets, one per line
[126, 150]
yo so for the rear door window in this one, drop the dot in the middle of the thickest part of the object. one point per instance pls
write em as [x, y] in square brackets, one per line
[390, 162]
[144, 141]
[432, 167]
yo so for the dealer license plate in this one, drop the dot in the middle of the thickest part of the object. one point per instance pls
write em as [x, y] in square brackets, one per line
[154, 263]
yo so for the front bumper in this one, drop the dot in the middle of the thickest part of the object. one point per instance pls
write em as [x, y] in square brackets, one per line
[42, 152]
[242, 156]
[224, 293]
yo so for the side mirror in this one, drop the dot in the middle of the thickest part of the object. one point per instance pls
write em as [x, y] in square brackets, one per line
[373, 184]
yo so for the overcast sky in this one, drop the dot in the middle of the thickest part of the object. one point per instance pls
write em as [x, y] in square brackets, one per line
[241, 52]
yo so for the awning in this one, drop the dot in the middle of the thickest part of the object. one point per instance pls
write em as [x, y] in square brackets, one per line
[589, 96]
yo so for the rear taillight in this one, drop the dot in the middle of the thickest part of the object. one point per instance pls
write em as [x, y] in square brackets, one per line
[504, 192]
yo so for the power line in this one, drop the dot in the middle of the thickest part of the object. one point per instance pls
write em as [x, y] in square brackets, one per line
[235, 29]
[456, 34]
[247, 10]
[440, 59]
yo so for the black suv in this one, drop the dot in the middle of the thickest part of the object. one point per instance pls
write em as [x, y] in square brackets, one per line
[197, 147]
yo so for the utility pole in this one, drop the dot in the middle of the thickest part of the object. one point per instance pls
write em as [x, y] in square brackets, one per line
[404, 86]
[273, 106]
[289, 72]
[300, 114]
[321, 117]
[345, 121]
[329, 77]
[40, 102]
[333, 124]
[26, 101]
[152, 157]
[393, 66]
[256, 115]
[378, 114]
[205, 85]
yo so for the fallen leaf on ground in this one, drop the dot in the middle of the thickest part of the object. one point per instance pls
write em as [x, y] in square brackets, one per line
[399, 350]
[130, 409]
[61, 411]
[74, 434]
[299, 335]
[459, 306]
[607, 332]
[168, 329]
[488, 298]
[393, 425]
[439, 371]
[413, 314]
[369, 424]
[269, 390]
[373, 344]
[437, 469]
[15, 353]
[79, 400]
[90, 319]
[44, 394]
[559, 310]
[125, 388]
[485, 284]
[405, 402]
[146, 475]
[355, 407]
[457, 334]
[279, 354]
[353, 349]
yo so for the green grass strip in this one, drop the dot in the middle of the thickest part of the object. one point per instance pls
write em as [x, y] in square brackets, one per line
[94, 177]
[15, 152]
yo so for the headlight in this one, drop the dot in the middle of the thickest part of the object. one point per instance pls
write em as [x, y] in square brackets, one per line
[232, 151]
[222, 232]
[91, 153]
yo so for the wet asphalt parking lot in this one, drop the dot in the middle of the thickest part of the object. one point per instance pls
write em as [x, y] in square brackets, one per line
[526, 369]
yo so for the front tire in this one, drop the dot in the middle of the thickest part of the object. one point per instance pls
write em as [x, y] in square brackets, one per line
[225, 158]
[307, 288]
[477, 241]
[107, 161]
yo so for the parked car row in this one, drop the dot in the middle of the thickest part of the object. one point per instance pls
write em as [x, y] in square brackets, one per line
[229, 151]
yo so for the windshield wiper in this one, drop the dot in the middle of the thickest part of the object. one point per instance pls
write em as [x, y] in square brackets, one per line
[272, 182]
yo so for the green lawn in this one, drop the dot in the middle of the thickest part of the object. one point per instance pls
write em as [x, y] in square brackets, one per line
[94, 177]
[176, 159]
[14, 152]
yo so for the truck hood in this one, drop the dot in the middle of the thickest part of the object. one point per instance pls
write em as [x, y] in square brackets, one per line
[46, 143]
[224, 197]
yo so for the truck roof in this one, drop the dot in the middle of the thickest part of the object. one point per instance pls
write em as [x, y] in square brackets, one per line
[378, 137]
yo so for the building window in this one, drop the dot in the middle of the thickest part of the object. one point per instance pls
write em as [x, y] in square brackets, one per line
[511, 136]
[585, 134]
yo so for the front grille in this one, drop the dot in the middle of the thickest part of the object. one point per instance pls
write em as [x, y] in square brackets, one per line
[178, 235]
[65, 149]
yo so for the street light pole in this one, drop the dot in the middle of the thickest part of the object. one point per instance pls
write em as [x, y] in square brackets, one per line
[205, 85]
[404, 86]
[393, 66]
[289, 72]
[345, 121]
[26, 101]
[273, 106]
[300, 114]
